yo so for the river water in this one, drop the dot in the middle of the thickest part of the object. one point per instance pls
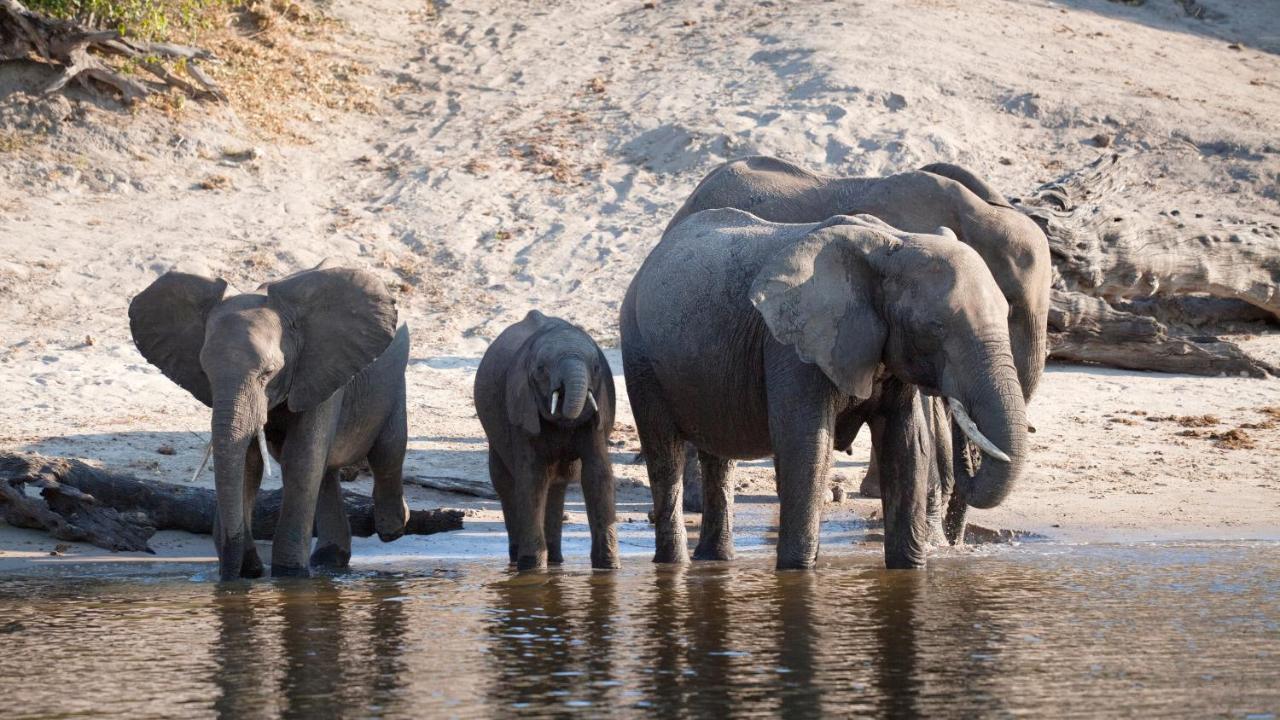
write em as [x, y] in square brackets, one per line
[1186, 630]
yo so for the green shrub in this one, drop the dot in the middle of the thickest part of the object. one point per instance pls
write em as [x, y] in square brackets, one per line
[145, 19]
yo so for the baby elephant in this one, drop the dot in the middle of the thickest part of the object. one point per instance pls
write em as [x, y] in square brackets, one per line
[544, 394]
[309, 368]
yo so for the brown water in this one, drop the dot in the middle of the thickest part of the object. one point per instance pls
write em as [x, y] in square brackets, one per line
[1188, 630]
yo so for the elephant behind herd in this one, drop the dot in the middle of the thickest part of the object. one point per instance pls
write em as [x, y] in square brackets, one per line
[780, 312]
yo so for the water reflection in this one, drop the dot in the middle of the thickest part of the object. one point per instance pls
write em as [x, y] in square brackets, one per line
[1153, 631]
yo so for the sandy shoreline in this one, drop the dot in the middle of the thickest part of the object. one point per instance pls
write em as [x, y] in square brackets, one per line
[497, 177]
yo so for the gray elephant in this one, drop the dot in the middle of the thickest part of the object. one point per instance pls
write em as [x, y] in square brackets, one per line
[544, 394]
[753, 339]
[939, 195]
[312, 367]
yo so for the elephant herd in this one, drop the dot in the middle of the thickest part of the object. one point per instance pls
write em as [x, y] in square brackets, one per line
[781, 311]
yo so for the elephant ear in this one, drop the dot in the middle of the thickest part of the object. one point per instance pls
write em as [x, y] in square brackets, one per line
[167, 322]
[817, 295]
[341, 319]
[522, 402]
[604, 392]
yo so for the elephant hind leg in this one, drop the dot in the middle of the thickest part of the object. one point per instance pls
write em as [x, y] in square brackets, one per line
[715, 541]
[664, 461]
[386, 462]
[333, 529]
[553, 522]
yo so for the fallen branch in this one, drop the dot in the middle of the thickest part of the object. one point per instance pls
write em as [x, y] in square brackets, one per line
[81, 503]
[448, 483]
[25, 34]
[1115, 267]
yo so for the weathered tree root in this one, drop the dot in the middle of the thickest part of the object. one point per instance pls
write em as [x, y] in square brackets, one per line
[81, 503]
[1111, 263]
[25, 34]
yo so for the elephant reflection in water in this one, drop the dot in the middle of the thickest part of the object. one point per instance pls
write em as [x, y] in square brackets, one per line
[325, 669]
[551, 641]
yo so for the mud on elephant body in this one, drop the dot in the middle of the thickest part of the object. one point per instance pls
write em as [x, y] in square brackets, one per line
[752, 339]
[938, 195]
[545, 397]
[309, 368]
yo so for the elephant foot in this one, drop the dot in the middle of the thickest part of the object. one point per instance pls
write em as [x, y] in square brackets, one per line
[283, 571]
[715, 551]
[331, 557]
[692, 502]
[870, 487]
[803, 559]
[251, 566]
[903, 564]
[671, 553]
[531, 562]
[555, 557]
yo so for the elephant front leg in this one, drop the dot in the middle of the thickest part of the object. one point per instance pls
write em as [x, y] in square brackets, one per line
[871, 481]
[715, 540]
[333, 529]
[904, 478]
[386, 462]
[306, 450]
[801, 424]
[597, 491]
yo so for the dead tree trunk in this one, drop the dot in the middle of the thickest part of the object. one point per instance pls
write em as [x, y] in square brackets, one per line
[81, 503]
[1106, 256]
[25, 35]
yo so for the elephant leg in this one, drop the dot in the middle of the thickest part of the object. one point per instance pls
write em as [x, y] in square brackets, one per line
[715, 541]
[801, 429]
[692, 480]
[306, 450]
[941, 479]
[553, 523]
[386, 461]
[251, 565]
[665, 463]
[871, 481]
[502, 483]
[333, 529]
[531, 477]
[904, 479]
[597, 490]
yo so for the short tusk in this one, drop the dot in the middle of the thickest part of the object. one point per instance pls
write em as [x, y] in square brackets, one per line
[555, 400]
[592, 399]
[208, 450]
[262, 448]
[970, 429]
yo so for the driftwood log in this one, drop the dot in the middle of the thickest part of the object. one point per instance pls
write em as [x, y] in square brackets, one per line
[78, 50]
[1151, 290]
[80, 503]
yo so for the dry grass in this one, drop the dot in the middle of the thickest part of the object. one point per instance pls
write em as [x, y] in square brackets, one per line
[1236, 439]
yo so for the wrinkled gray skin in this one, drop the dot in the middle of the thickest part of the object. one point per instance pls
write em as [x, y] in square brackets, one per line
[316, 358]
[939, 195]
[534, 454]
[751, 339]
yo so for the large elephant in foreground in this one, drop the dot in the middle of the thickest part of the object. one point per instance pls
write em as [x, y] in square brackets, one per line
[939, 195]
[310, 369]
[751, 339]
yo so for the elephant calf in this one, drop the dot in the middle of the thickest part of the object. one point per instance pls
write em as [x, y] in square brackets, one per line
[544, 394]
[312, 368]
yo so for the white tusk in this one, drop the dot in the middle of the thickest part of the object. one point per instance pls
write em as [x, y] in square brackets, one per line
[592, 399]
[970, 429]
[208, 450]
[555, 400]
[262, 448]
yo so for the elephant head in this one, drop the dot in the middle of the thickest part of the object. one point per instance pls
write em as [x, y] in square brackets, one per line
[559, 380]
[295, 342]
[856, 295]
[1017, 253]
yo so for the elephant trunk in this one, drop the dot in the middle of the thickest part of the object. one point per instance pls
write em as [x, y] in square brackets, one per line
[992, 400]
[574, 379]
[1029, 341]
[238, 417]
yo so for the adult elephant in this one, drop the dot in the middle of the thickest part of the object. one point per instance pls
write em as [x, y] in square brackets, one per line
[751, 339]
[312, 368]
[939, 195]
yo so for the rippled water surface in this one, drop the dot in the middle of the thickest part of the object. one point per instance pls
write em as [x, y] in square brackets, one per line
[1185, 630]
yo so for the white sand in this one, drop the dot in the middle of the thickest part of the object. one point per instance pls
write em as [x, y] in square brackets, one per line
[496, 178]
